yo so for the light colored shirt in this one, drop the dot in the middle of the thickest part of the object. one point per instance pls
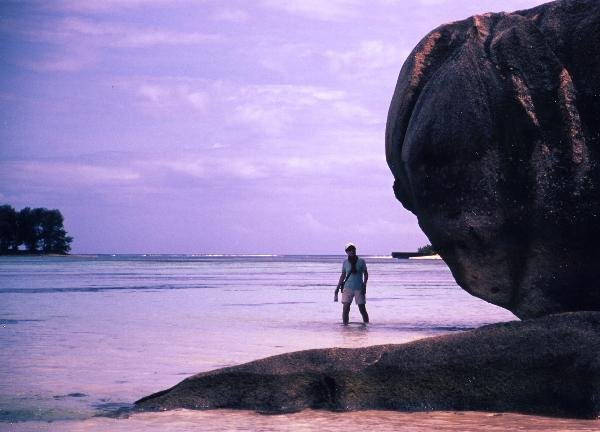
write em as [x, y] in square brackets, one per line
[355, 281]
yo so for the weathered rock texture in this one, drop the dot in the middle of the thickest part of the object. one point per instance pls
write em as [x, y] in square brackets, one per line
[549, 365]
[492, 137]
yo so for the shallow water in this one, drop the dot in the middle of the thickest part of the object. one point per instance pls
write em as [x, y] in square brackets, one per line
[85, 336]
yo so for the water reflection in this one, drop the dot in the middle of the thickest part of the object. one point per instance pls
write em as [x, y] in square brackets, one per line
[354, 334]
[118, 328]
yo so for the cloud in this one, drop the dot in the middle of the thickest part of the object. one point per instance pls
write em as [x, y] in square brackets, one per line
[129, 36]
[370, 58]
[270, 110]
[288, 58]
[231, 15]
[433, 2]
[146, 38]
[308, 222]
[331, 10]
[72, 61]
[265, 117]
[377, 226]
[210, 168]
[352, 110]
[274, 109]
[330, 165]
[152, 174]
[75, 31]
[301, 128]
[163, 97]
[243, 169]
[372, 61]
[106, 6]
[63, 172]
[194, 168]
[74, 43]
[294, 166]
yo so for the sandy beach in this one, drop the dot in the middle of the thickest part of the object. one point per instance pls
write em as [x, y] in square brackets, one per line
[310, 420]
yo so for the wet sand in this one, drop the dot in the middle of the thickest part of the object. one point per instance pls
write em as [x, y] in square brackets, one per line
[311, 420]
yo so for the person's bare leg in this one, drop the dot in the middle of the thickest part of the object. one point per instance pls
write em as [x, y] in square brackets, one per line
[363, 311]
[346, 313]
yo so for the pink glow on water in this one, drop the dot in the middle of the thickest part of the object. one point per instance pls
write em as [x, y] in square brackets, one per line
[88, 335]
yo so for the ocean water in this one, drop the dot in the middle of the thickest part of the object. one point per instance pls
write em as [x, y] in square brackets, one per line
[83, 337]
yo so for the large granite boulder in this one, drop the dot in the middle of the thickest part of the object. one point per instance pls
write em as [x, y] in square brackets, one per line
[493, 139]
[548, 366]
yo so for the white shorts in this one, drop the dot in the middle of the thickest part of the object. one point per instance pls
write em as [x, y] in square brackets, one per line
[358, 296]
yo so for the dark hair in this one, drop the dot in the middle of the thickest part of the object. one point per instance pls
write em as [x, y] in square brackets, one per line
[353, 260]
[349, 248]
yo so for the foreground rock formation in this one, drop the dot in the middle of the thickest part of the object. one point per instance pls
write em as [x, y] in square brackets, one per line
[547, 366]
[493, 140]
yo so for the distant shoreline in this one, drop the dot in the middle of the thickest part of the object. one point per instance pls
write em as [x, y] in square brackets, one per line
[426, 257]
[27, 253]
[415, 255]
[409, 255]
[208, 255]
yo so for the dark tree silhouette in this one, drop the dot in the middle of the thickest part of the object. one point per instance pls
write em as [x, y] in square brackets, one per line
[28, 228]
[8, 229]
[40, 230]
[426, 249]
[52, 234]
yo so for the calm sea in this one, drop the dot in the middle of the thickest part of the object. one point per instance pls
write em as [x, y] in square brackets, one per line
[82, 337]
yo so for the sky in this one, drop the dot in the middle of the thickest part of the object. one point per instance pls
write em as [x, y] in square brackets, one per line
[233, 127]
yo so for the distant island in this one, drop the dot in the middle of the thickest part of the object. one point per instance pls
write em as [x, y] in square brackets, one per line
[32, 232]
[427, 249]
[423, 251]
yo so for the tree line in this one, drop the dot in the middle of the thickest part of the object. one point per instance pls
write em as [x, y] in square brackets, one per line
[427, 249]
[39, 230]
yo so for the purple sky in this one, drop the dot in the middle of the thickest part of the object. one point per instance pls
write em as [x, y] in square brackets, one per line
[163, 126]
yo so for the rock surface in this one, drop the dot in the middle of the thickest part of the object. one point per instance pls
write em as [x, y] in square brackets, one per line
[493, 140]
[548, 366]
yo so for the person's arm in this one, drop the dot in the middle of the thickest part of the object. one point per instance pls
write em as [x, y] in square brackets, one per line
[337, 288]
[340, 282]
[366, 278]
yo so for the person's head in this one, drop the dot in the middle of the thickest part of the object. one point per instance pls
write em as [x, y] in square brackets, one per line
[350, 249]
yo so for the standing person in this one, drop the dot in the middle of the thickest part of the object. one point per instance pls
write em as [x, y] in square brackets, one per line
[353, 284]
